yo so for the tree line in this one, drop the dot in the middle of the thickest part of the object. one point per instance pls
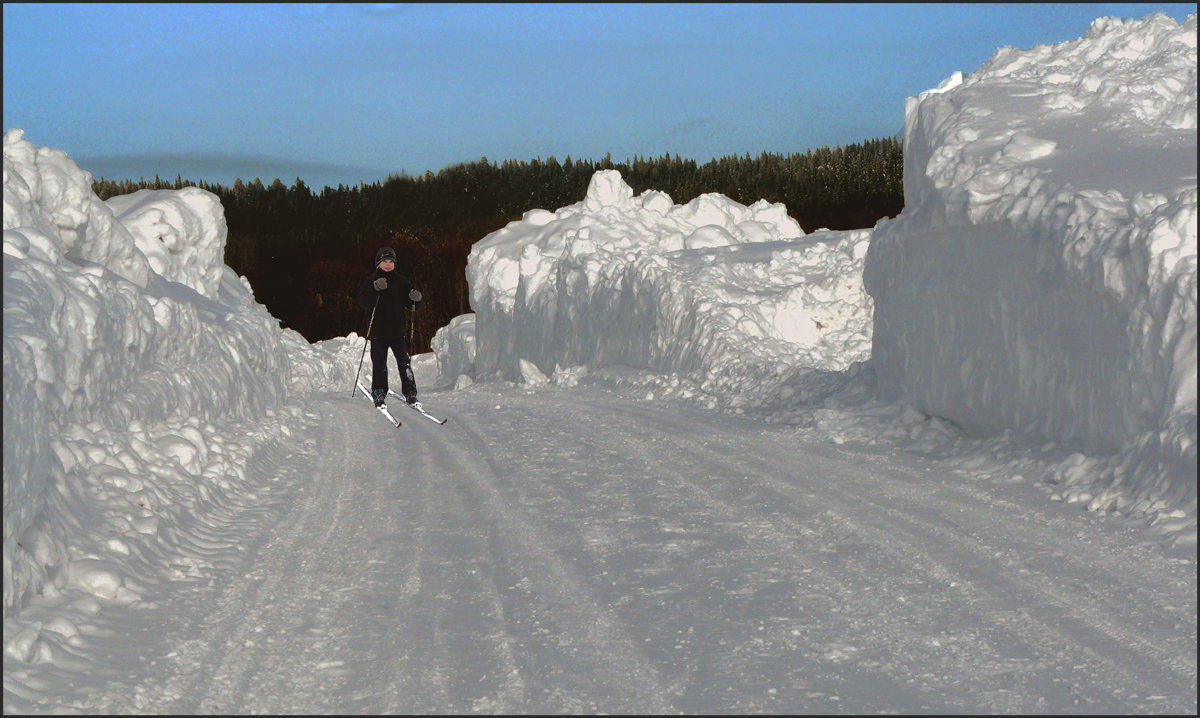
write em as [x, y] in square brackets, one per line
[305, 252]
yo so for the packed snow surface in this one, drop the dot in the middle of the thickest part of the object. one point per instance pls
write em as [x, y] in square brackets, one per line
[697, 460]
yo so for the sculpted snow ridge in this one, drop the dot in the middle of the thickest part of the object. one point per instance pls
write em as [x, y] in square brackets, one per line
[122, 328]
[1048, 243]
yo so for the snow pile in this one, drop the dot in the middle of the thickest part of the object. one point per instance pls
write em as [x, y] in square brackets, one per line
[1038, 288]
[126, 340]
[729, 298]
[181, 233]
[50, 211]
[454, 350]
[350, 353]
[1042, 277]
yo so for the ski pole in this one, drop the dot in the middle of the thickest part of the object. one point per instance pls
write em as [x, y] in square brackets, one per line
[412, 320]
[368, 341]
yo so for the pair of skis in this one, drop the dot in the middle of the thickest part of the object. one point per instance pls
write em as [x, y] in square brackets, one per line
[381, 407]
[415, 406]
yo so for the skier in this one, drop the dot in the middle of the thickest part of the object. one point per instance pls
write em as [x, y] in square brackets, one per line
[385, 294]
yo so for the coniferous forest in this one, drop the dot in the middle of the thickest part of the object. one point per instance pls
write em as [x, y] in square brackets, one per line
[305, 252]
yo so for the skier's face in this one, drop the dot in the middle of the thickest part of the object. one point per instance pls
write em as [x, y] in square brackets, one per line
[387, 265]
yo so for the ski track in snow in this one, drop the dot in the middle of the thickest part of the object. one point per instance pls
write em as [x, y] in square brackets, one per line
[890, 526]
[576, 551]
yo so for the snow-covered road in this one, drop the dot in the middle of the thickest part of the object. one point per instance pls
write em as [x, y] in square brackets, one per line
[573, 550]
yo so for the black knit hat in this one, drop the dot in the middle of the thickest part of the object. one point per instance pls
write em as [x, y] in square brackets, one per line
[385, 253]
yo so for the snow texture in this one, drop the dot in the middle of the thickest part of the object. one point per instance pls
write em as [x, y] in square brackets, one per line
[1048, 244]
[732, 297]
[1040, 281]
[1031, 313]
[123, 344]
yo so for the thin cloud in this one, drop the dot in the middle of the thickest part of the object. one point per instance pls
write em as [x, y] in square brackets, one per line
[224, 168]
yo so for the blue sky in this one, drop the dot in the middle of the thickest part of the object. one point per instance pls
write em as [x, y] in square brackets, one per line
[343, 93]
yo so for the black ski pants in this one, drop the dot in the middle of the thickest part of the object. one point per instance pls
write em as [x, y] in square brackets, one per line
[379, 378]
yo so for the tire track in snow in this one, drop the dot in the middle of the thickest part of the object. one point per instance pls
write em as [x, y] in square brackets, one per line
[1081, 607]
[1076, 581]
[919, 493]
[709, 627]
[577, 553]
[1039, 595]
[733, 593]
[200, 662]
[337, 657]
[859, 524]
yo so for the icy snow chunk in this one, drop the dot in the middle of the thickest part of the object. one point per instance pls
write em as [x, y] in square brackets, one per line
[712, 209]
[1023, 148]
[537, 217]
[710, 235]
[657, 202]
[568, 376]
[530, 374]
[45, 191]
[607, 190]
[181, 232]
[26, 646]
[97, 576]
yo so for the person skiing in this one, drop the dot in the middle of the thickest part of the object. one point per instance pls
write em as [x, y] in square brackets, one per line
[385, 294]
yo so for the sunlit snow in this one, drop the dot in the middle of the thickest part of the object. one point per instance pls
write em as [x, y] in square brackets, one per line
[1031, 314]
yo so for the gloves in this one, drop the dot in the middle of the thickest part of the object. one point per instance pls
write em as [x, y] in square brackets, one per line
[414, 296]
[380, 284]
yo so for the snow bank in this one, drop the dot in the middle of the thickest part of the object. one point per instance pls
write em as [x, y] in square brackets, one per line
[1042, 276]
[50, 212]
[181, 233]
[454, 350]
[730, 296]
[125, 339]
[1039, 286]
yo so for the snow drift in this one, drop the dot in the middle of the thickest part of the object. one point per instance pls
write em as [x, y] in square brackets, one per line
[732, 297]
[1042, 276]
[1040, 282]
[123, 328]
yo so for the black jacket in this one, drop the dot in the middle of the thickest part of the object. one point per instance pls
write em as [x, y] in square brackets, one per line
[390, 320]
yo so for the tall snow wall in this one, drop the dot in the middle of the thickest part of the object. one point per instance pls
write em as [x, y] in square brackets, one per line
[1042, 276]
[117, 313]
[728, 295]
